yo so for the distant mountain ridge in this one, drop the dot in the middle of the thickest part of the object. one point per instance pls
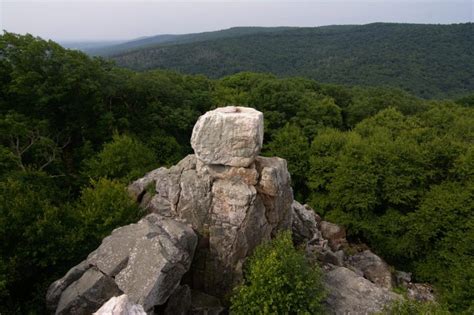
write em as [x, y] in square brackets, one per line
[431, 61]
[151, 41]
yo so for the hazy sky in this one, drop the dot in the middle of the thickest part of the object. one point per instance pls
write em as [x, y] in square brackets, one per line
[107, 19]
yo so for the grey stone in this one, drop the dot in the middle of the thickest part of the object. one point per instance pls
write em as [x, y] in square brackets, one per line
[372, 267]
[340, 257]
[87, 294]
[159, 205]
[304, 224]
[274, 187]
[57, 287]
[162, 254]
[230, 136]
[120, 305]
[422, 292]
[349, 293]
[402, 278]
[329, 257]
[238, 225]
[195, 199]
[145, 260]
[335, 234]
[138, 188]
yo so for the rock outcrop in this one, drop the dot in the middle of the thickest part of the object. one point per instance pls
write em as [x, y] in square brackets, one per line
[205, 216]
[226, 194]
[145, 261]
[231, 197]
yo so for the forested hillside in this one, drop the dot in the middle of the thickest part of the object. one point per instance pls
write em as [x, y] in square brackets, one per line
[430, 61]
[170, 39]
[396, 170]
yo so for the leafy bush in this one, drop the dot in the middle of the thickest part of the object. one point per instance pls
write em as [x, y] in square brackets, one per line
[410, 307]
[279, 280]
[290, 143]
[125, 159]
[33, 239]
[101, 208]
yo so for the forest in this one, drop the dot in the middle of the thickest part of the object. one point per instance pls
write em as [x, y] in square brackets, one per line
[429, 61]
[395, 169]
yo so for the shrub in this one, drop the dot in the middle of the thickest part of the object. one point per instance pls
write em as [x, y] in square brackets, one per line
[410, 307]
[102, 208]
[279, 280]
[125, 158]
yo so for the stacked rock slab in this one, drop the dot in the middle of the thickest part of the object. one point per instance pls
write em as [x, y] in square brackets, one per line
[145, 261]
[233, 198]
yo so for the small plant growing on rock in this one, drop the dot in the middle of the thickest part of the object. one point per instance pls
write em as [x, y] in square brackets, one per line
[279, 280]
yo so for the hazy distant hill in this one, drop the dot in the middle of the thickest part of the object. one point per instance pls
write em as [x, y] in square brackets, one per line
[152, 41]
[427, 60]
[89, 44]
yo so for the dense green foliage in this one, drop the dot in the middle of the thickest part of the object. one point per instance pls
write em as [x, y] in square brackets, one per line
[426, 60]
[279, 280]
[125, 158]
[396, 170]
[410, 307]
[169, 39]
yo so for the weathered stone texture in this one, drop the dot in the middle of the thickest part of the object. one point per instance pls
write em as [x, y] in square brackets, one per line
[230, 136]
[349, 293]
[145, 260]
[120, 305]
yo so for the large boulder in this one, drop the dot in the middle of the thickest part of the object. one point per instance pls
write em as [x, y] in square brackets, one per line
[145, 260]
[349, 293]
[230, 136]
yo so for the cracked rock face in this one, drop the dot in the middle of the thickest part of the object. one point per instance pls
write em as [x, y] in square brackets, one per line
[233, 209]
[229, 135]
[145, 260]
